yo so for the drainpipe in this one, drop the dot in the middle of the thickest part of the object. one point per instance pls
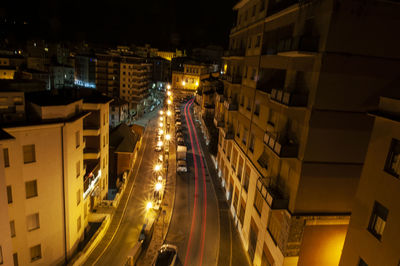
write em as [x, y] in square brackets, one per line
[63, 191]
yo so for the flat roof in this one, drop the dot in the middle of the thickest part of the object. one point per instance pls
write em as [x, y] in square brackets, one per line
[50, 98]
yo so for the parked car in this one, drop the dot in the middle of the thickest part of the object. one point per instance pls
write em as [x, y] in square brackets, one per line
[166, 255]
[181, 166]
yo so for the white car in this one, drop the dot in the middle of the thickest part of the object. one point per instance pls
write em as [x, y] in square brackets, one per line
[166, 255]
[181, 166]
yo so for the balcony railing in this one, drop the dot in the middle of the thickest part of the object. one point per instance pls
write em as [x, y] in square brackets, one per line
[235, 79]
[235, 52]
[288, 98]
[271, 194]
[91, 130]
[283, 148]
[228, 132]
[91, 153]
[298, 44]
[231, 105]
[218, 122]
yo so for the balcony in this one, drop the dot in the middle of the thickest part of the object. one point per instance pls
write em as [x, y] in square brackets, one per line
[271, 194]
[219, 98]
[234, 79]
[91, 153]
[227, 132]
[289, 98]
[298, 46]
[230, 105]
[93, 174]
[283, 147]
[218, 122]
[91, 130]
[235, 53]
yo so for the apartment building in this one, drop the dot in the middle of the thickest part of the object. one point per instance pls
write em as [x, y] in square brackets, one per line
[373, 229]
[298, 78]
[107, 74]
[189, 78]
[95, 153]
[41, 172]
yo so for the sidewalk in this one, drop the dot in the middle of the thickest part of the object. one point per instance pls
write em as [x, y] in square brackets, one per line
[161, 225]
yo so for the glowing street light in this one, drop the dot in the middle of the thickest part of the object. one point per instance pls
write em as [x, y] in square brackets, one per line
[161, 118]
[157, 167]
[197, 83]
[168, 86]
[160, 143]
[168, 113]
[149, 205]
[161, 124]
[169, 93]
[161, 131]
[161, 112]
[159, 178]
[158, 186]
[169, 101]
[168, 137]
[183, 83]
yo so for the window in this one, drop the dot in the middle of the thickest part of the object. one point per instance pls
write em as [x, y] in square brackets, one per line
[254, 74]
[251, 145]
[78, 224]
[78, 168]
[258, 41]
[274, 226]
[78, 197]
[361, 262]
[392, 165]
[245, 72]
[246, 178]
[1, 256]
[31, 189]
[249, 43]
[273, 116]
[85, 210]
[240, 168]
[9, 195]
[244, 140]
[253, 12]
[104, 141]
[262, 5]
[32, 222]
[77, 139]
[377, 221]
[12, 228]
[242, 211]
[104, 119]
[248, 106]
[258, 202]
[29, 153]
[257, 109]
[242, 100]
[36, 253]
[6, 158]
[15, 259]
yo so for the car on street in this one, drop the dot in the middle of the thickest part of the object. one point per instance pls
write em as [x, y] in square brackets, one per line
[181, 166]
[158, 148]
[166, 255]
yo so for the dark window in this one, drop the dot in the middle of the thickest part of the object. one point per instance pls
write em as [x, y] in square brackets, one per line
[253, 12]
[9, 195]
[258, 202]
[242, 211]
[257, 109]
[6, 158]
[251, 145]
[262, 5]
[29, 153]
[258, 41]
[377, 221]
[246, 178]
[392, 165]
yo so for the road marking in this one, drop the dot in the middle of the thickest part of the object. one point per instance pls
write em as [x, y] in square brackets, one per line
[126, 204]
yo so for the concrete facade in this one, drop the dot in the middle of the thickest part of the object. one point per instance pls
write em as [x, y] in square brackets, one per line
[293, 127]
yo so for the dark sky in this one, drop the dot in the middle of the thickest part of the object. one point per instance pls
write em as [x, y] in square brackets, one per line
[160, 23]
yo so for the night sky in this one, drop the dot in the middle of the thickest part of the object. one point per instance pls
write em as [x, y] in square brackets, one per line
[174, 23]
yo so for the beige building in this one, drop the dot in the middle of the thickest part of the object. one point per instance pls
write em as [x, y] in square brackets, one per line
[189, 79]
[298, 79]
[373, 230]
[43, 173]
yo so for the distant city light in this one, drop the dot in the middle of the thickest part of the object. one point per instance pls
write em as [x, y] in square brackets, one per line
[84, 84]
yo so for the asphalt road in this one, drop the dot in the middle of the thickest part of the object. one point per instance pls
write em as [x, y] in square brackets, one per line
[201, 227]
[132, 222]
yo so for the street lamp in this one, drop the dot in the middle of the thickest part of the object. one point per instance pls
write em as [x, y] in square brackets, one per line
[161, 118]
[159, 178]
[168, 86]
[157, 167]
[160, 143]
[158, 186]
[161, 112]
[161, 124]
[168, 113]
[149, 205]
[169, 93]
[169, 101]
[168, 137]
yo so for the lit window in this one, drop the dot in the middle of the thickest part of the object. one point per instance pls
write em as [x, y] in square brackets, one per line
[36, 253]
[31, 189]
[29, 153]
[377, 221]
[32, 222]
